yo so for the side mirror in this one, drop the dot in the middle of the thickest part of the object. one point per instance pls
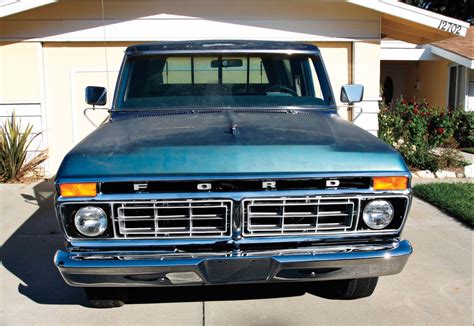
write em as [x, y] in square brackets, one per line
[96, 95]
[352, 93]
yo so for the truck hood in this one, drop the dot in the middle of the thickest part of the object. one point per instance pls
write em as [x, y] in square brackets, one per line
[224, 142]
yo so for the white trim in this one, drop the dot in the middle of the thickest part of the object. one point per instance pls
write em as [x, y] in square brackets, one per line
[466, 89]
[397, 44]
[451, 56]
[407, 54]
[309, 38]
[372, 99]
[22, 5]
[44, 112]
[404, 51]
[72, 87]
[26, 102]
[142, 39]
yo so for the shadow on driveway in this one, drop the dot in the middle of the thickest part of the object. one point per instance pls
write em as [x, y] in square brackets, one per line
[28, 254]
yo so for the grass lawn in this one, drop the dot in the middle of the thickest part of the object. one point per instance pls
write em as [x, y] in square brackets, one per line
[456, 199]
[468, 150]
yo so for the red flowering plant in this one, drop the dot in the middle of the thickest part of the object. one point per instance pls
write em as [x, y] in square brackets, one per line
[415, 129]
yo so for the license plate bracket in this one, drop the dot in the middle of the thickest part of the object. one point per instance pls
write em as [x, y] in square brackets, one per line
[237, 270]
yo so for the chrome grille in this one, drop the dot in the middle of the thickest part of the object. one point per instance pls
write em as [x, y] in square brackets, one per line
[172, 219]
[299, 216]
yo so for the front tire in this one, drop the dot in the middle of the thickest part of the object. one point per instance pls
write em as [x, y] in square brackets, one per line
[345, 289]
[106, 297]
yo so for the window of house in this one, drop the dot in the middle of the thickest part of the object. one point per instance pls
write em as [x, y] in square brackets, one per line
[470, 104]
[458, 86]
[453, 71]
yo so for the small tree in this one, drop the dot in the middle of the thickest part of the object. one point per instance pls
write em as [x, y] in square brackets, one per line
[14, 143]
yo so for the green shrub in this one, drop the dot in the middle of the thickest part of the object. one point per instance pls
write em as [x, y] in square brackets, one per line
[415, 129]
[464, 131]
[14, 142]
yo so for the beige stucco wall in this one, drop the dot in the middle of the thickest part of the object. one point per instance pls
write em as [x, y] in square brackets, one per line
[432, 77]
[20, 78]
[366, 71]
[366, 68]
[337, 57]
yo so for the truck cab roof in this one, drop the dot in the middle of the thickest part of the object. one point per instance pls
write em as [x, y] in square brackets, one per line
[224, 46]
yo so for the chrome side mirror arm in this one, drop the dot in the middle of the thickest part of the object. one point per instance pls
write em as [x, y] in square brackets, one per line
[93, 109]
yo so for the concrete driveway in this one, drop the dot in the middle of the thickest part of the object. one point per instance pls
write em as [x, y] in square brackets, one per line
[434, 288]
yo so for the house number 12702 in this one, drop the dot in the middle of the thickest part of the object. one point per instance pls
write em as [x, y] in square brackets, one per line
[449, 27]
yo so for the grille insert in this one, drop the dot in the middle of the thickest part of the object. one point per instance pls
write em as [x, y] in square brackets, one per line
[171, 219]
[299, 216]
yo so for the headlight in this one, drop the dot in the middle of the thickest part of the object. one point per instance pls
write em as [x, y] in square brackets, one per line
[378, 214]
[91, 221]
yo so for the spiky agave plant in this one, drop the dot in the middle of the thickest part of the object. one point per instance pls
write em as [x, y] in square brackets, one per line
[14, 144]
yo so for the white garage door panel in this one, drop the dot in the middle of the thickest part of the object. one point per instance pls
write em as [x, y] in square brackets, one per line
[20, 109]
[26, 113]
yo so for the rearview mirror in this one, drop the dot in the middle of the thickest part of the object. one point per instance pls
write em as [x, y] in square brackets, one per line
[227, 63]
[352, 93]
[96, 95]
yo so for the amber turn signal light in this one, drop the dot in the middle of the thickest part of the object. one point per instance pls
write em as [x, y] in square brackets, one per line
[87, 189]
[390, 183]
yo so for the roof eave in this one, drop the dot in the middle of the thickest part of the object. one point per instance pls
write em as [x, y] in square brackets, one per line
[413, 24]
[452, 56]
[23, 5]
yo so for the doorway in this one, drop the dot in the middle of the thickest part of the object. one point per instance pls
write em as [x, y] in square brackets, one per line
[393, 81]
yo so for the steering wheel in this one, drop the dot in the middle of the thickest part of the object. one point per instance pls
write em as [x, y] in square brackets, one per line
[281, 89]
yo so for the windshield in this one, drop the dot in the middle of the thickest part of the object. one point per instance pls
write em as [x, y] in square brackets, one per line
[198, 81]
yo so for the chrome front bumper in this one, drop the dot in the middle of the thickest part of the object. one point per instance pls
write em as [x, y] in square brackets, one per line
[161, 268]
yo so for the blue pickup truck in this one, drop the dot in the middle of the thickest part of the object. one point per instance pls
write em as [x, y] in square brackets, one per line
[225, 162]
